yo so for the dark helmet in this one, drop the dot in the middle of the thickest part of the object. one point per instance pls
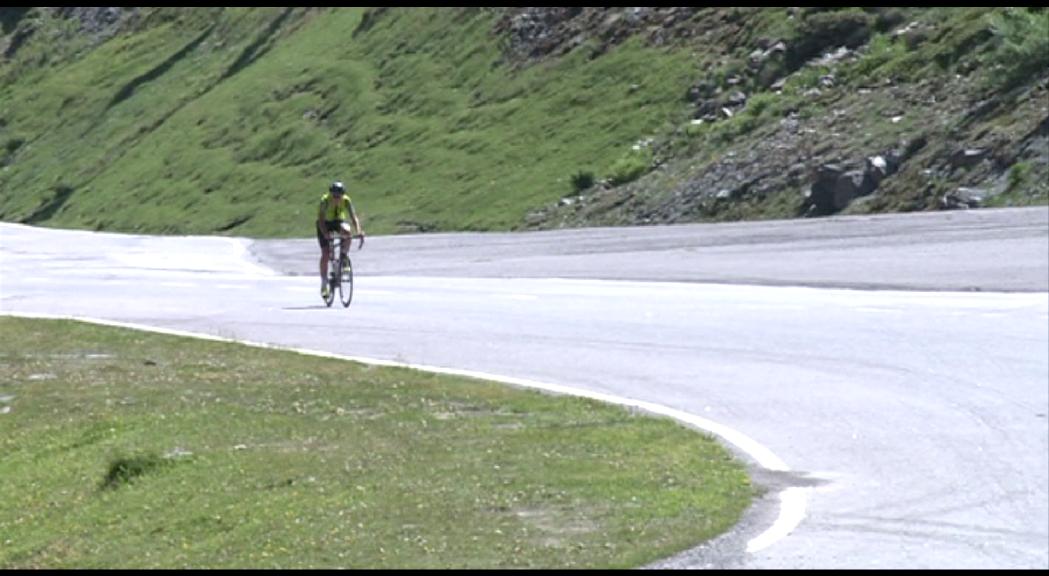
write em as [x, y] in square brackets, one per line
[337, 188]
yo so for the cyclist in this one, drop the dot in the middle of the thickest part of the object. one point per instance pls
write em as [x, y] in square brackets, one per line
[335, 208]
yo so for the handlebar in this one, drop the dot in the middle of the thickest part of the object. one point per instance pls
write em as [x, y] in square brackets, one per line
[332, 236]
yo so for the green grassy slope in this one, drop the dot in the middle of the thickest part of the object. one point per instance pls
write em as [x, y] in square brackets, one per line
[235, 120]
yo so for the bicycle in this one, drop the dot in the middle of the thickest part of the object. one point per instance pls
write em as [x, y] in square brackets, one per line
[340, 274]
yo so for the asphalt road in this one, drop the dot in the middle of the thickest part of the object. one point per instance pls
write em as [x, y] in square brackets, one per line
[994, 250]
[887, 378]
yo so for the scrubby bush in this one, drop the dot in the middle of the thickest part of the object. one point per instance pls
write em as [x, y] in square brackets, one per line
[1019, 174]
[880, 51]
[630, 166]
[1021, 37]
[13, 145]
[582, 180]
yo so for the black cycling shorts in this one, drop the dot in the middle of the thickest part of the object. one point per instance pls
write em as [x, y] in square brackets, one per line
[331, 226]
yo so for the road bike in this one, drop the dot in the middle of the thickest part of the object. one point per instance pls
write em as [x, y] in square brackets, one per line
[340, 274]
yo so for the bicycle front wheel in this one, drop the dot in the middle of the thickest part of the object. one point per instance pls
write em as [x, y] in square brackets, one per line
[346, 282]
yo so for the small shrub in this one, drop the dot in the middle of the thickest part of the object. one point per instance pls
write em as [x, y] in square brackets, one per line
[630, 167]
[582, 180]
[14, 144]
[1019, 174]
[124, 469]
[880, 51]
[696, 130]
[764, 102]
[806, 78]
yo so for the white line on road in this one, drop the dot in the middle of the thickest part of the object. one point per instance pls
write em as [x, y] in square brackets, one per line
[521, 296]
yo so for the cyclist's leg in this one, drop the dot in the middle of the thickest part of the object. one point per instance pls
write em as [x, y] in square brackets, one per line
[344, 231]
[323, 242]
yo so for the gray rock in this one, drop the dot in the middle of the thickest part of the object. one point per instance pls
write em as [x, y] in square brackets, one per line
[820, 196]
[852, 185]
[968, 157]
[834, 188]
[736, 98]
[831, 58]
[963, 198]
[756, 57]
[706, 108]
[796, 171]
[877, 168]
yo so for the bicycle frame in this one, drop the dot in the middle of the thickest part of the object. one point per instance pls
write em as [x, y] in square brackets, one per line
[340, 273]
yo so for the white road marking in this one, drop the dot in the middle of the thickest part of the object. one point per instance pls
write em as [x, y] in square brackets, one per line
[876, 310]
[792, 510]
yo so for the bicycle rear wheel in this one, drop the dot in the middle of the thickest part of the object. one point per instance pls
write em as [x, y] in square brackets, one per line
[346, 281]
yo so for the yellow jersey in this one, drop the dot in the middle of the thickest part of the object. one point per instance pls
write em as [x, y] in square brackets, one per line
[330, 210]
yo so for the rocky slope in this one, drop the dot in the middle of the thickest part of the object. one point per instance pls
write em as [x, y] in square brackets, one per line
[865, 129]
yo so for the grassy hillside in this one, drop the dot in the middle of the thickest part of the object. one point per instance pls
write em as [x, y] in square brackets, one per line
[233, 120]
[209, 120]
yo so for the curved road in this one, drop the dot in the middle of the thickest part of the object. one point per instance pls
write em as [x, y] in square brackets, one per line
[887, 377]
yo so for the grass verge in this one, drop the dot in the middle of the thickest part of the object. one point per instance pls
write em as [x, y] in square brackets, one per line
[125, 449]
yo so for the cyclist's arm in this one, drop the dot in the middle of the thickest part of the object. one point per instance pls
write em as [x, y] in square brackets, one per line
[356, 221]
[357, 226]
[320, 220]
